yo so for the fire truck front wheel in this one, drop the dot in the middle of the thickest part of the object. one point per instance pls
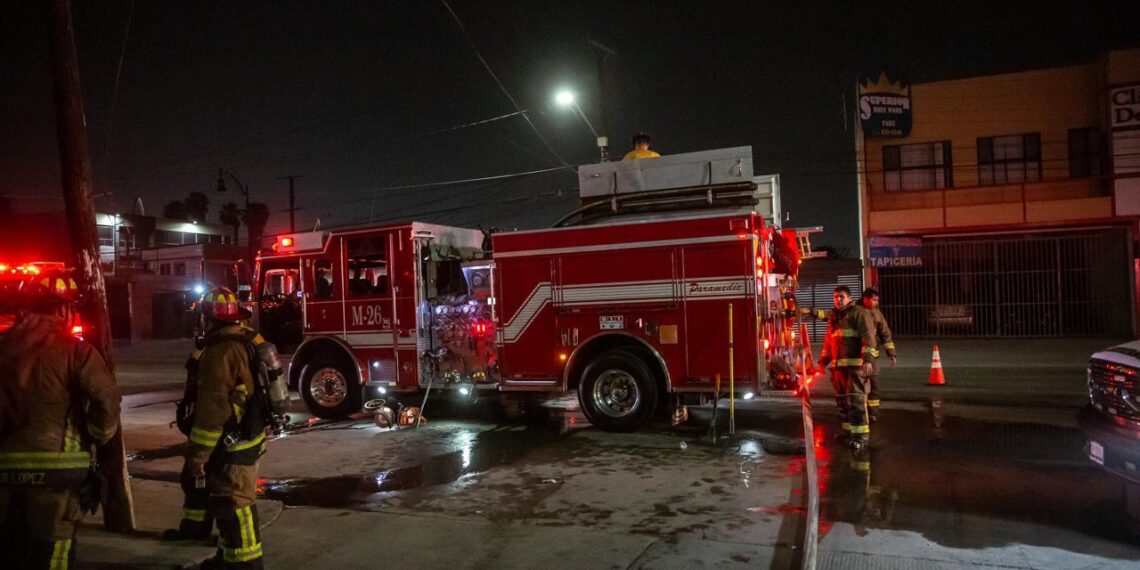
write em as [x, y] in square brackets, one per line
[328, 390]
[618, 392]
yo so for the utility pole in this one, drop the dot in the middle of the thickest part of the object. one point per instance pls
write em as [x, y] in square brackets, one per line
[292, 197]
[75, 162]
[604, 53]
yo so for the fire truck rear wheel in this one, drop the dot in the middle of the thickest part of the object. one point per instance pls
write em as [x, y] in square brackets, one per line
[329, 391]
[618, 392]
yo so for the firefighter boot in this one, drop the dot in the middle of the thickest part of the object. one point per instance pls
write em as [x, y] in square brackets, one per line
[190, 529]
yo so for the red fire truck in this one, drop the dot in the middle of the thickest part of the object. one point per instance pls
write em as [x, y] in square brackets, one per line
[12, 274]
[637, 300]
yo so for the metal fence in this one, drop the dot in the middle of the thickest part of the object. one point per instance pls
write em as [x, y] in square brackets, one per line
[1051, 284]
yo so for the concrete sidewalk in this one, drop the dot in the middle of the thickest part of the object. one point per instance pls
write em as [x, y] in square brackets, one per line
[158, 506]
[322, 538]
[1019, 372]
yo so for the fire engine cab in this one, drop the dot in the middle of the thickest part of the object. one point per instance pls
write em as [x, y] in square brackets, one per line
[670, 276]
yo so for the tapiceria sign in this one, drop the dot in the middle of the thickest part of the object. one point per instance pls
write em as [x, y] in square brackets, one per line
[895, 252]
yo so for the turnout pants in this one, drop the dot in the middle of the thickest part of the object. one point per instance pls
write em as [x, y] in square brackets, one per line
[232, 493]
[37, 527]
[873, 395]
[851, 391]
[197, 520]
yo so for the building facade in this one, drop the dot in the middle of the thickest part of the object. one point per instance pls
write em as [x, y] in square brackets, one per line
[157, 268]
[1005, 205]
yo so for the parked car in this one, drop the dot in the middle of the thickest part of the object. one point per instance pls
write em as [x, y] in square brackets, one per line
[1111, 421]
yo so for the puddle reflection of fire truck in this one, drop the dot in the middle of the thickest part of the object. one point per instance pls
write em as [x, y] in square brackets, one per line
[627, 301]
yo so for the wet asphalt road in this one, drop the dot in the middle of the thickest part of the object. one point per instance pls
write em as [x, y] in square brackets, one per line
[938, 477]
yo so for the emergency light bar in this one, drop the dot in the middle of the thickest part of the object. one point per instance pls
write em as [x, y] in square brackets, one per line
[31, 268]
[299, 242]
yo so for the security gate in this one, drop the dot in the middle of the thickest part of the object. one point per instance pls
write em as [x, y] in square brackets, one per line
[1046, 284]
[819, 295]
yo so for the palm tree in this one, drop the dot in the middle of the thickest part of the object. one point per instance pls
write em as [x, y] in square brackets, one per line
[255, 219]
[197, 204]
[175, 210]
[231, 215]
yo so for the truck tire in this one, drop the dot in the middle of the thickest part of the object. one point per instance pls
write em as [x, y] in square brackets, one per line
[330, 391]
[618, 392]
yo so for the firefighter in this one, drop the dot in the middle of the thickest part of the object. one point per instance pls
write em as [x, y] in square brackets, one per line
[640, 148]
[227, 437]
[885, 342]
[849, 347]
[197, 523]
[57, 399]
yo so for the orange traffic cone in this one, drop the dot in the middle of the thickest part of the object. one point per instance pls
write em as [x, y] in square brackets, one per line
[936, 376]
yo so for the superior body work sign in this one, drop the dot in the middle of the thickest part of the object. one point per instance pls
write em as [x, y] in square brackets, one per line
[896, 252]
[884, 107]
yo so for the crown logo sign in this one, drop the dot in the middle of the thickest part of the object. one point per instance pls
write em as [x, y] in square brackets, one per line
[884, 85]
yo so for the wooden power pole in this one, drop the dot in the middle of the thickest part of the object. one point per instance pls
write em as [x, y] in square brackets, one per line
[292, 202]
[75, 163]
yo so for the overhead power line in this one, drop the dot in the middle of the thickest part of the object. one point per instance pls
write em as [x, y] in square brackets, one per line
[503, 88]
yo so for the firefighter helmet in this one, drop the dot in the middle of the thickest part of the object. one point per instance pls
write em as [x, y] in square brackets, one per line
[46, 291]
[220, 304]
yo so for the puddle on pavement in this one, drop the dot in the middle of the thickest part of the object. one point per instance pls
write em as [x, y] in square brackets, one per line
[972, 483]
[477, 452]
[159, 453]
[474, 452]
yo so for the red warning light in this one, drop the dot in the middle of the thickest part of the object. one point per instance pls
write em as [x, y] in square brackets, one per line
[287, 242]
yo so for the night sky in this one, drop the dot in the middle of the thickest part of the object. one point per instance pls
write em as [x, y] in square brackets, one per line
[349, 94]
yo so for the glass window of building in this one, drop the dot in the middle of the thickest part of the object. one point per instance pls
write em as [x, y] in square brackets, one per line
[923, 166]
[164, 269]
[106, 236]
[1086, 153]
[180, 269]
[1009, 159]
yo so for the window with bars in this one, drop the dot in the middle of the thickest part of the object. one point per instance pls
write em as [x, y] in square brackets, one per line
[1086, 152]
[923, 166]
[1009, 159]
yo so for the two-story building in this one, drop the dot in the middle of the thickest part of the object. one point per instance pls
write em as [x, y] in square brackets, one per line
[156, 268]
[1005, 205]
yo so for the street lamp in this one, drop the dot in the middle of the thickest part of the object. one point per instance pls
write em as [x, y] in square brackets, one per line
[566, 99]
[222, 173]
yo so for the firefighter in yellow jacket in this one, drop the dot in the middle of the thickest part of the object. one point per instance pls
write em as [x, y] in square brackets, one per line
[886, 342]
[57, 400]
[850, 348]
[228, 435]
[641, 148]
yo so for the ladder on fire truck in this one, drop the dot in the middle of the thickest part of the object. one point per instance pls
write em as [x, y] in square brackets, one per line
[803, 239]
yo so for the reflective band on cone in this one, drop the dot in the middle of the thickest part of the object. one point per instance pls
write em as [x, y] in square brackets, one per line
[937, 378]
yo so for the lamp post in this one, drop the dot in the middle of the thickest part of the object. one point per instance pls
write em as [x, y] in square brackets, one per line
[222, 173]
[566, 98]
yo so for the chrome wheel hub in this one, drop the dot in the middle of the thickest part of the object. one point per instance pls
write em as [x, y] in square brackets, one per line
[328, 388]
[616, 393]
